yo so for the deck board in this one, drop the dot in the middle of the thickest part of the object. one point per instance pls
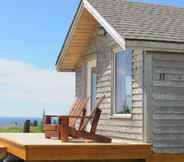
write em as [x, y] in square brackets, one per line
[35, 147]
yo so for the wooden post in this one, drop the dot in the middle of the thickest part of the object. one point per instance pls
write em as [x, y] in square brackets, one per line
[26, 126]
[3, 152]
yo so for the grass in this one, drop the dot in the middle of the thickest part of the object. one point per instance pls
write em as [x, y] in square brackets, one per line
[14, 129]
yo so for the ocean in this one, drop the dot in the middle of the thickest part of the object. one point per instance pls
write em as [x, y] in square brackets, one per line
[16, 121]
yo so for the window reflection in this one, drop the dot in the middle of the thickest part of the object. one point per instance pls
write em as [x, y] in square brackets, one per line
[123, 82]
[93, 88]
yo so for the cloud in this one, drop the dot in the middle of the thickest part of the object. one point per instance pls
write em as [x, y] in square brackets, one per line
[21, 82]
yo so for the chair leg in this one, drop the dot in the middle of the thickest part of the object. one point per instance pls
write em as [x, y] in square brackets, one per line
[63, 129]
[63, 133]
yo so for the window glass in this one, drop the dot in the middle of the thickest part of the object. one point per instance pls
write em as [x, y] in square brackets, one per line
[123, 82]
[93, 88]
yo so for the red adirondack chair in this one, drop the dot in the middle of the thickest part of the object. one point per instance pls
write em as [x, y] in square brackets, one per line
[77, 109]
[66, 130]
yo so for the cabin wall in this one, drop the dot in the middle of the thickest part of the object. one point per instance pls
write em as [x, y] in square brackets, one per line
[80, 85]
[167, 102]
[120, 128]
[130, 129]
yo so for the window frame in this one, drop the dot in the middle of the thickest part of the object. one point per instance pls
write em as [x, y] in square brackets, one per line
[90, 64]
[113, 110]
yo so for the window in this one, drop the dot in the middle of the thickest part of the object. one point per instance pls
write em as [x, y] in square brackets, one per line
[91, 83]
[93, 88]
[123, 82]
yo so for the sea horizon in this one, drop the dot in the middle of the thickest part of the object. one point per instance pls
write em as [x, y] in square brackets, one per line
[7, 121]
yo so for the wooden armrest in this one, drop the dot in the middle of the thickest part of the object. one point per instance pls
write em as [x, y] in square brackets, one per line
[47, 116]
[68, 116]
[73, 116]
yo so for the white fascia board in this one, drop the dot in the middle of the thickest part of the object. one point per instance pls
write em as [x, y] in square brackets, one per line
[115, 35]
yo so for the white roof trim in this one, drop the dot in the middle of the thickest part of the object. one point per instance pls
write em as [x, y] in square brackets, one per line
[117, 37]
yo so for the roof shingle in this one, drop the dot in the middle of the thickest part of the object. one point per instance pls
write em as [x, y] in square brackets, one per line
[134, 20]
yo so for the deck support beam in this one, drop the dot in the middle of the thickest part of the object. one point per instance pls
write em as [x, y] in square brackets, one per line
[3, 152]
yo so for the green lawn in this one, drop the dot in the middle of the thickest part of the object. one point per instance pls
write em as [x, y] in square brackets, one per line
[19, 130]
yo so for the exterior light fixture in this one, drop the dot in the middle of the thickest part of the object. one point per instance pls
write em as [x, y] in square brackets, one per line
[101, 32]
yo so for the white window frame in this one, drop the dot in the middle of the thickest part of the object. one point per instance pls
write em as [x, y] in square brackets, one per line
[90, 65]
[114, 114]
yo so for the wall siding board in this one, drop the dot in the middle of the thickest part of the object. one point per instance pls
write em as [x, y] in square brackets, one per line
[125, 129]
[168, 102]
[80, 82]
[118, 128]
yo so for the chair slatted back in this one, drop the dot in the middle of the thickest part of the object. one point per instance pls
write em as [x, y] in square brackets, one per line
[79, 108]
[95, 116]
[74, 106]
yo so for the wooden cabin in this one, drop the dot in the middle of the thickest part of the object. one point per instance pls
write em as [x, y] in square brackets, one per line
[134, 54]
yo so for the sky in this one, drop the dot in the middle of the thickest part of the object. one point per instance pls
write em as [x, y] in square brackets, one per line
[31, 35]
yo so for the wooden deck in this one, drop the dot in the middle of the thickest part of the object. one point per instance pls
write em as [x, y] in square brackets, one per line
[3, 152]
[33, 147]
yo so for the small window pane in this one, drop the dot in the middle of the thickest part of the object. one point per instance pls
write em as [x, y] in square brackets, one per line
[93, 88]
[123, 82]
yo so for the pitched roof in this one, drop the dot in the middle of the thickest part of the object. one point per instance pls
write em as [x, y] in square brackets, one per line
[122, 19]
[135, 20]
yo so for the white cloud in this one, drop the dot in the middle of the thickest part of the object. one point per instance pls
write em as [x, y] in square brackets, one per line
[22, 82]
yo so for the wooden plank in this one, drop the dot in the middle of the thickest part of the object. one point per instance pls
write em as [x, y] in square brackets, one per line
[154, 47]
[168, 56]
[147, 97]
[122, 130]
[34, 147]
[3, 152]
[116, 123]
[13, 148]
[122, 135]
[166, 158]
[84, 151]
[88, 152]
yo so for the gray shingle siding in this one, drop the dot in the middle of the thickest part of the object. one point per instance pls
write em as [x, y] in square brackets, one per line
[125, 129]
[117, 128]
[167, 102]
[80, 86]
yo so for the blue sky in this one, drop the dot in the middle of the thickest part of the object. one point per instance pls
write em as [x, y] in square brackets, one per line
[33, 31]
[31, 35]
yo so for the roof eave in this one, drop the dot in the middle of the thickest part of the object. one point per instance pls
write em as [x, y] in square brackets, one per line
[68, 36]
[84, 4]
